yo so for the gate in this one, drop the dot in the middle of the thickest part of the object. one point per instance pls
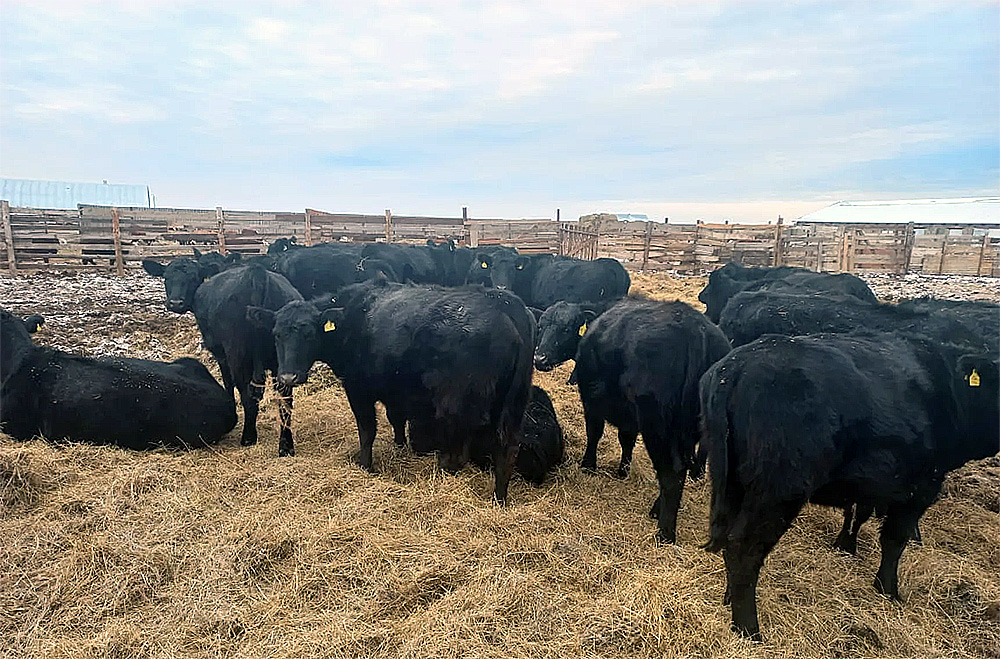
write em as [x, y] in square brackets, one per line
[578, 242]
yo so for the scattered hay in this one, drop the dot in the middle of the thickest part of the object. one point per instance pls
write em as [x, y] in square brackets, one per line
[230, 551]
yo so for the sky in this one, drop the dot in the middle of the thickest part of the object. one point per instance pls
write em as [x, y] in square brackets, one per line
[737, 110]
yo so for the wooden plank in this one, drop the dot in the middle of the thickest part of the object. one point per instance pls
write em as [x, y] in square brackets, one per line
[8, 236]
[117, 236]
[220, 220]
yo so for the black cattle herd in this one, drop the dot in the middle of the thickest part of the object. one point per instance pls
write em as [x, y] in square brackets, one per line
[795, 386]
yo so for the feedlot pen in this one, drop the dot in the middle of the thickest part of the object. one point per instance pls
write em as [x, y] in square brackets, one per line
[233, 551]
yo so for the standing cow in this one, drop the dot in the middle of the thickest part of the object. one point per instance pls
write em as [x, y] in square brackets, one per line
[543, 279]
[132, 403]
[245, 353]
[877, 419]
[637, 367]
[733, 278]
[455, 363]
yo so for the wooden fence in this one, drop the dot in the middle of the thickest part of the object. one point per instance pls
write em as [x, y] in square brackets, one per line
[104, 237]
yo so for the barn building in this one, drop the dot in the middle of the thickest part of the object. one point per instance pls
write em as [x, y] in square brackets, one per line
[28, 193]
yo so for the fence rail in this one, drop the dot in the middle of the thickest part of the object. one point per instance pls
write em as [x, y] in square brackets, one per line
[104, 237]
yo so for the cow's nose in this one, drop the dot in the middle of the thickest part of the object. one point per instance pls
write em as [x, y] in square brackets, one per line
[175, 305]
[541, 363]
[288, 379]
[502, 287]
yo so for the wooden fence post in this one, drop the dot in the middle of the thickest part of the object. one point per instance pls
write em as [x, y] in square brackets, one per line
[116, 233]
[908, 247]
[645, 245]
[388, 225]
[309, 233]
[777, 242]
[982, 254]
[944, 248]
[220, 219]
[8, 236]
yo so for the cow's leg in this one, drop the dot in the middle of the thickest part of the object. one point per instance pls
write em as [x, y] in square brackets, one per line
[896, 530]
[250, 395]
[595, 430]
[504, 458]
[671, 488]
[757, 528]
[286, 444]
[843, 541]
[398, 423]
[364, 415]
[626, 437]
[227, 374]
[697, 471]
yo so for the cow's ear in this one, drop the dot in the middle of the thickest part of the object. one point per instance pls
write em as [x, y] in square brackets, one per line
[431, 243]
[197, 252]
[589, 315]
[485, 260]
[33, 322]
[451, 244]
[208, 270]
[261, 318]
[330, 318]
[153, 267]
[293, 239]
[521, 263]
[536, 312]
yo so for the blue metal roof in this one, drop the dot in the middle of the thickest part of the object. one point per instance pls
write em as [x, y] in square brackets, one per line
[24, 193]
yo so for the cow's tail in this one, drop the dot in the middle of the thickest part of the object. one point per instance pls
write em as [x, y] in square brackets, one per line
[716, 438]
[519, 391]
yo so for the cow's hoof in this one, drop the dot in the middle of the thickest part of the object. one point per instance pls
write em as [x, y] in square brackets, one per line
[286, 452]
[622, 472]
[749, 634]
[588, 465]
[666, 538]
[248, 441]
[370, 468]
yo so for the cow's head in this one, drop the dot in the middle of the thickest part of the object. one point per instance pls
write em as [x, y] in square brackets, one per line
[560, 328]
[721, 286]
[15, 343]
[181, 278]
[509, 271]
[299, 329]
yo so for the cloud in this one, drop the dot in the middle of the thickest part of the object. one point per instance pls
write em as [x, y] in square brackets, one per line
[511, 102]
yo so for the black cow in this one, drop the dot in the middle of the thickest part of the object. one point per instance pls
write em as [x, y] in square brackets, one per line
[480, 259]
[282, 245]
[419, 264]
[455, 363]
[214, 262]
[322, 269]
[751, 314]
[733, 278]
[132, 403]
[560, 328]
[979, 315]
[543, 279]
[245, 353]
[541, 448]
[637, 367]
[875, 418]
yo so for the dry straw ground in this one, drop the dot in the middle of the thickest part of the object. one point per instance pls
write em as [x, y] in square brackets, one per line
[233, 552]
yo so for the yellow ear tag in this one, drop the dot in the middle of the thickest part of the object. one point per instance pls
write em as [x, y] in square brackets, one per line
[583, 329]
[520, 266]
[484, 265]
[329, 326]
[974, 378]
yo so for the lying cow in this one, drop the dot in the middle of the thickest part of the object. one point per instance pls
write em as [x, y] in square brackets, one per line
[733, 278]
[455, 363]
[245, 353]
[877, 419]
[637, 367]
[541, 448]
[132, 403]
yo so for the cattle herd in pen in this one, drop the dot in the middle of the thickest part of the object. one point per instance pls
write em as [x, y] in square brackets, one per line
[795, 386]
